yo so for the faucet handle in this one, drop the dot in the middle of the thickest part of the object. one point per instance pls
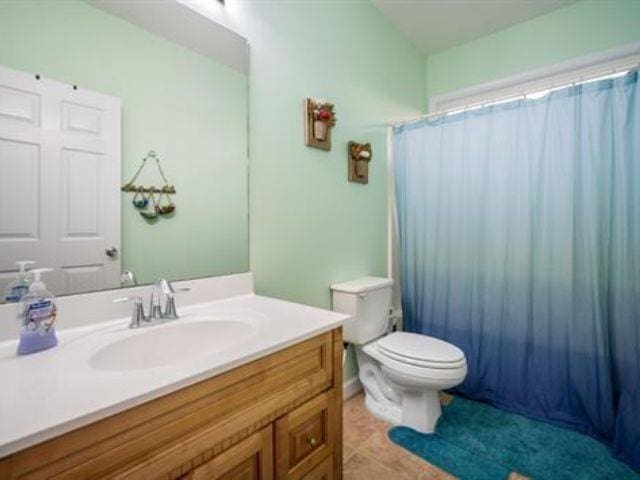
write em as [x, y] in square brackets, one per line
[165, 286]
[170, 311]
[137, 316]
[160, 287]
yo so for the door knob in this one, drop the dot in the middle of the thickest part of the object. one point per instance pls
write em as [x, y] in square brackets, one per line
[112, 252]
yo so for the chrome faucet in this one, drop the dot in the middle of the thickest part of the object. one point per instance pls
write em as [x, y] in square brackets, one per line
[157, 315]
[162, 287]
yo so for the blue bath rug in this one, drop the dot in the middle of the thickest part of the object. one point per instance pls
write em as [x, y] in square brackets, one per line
[475, 441]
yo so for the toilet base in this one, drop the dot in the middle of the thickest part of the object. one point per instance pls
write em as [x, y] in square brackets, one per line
[387, 412]
[421, 410]
[387, 400]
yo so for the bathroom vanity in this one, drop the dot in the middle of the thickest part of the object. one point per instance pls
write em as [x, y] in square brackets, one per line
[265, 402]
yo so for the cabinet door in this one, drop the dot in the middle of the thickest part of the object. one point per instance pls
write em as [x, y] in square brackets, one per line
[251, 459]
[305, 436]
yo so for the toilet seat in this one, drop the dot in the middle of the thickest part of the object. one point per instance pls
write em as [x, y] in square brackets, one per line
[421, 351]
[424, 374]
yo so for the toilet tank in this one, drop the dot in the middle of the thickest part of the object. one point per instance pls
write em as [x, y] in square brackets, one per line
[367, 300]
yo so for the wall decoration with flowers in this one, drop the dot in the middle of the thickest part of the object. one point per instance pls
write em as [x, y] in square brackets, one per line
[320, 118]
[359, 158]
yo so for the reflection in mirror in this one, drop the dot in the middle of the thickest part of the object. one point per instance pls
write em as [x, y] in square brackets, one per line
[75, 126]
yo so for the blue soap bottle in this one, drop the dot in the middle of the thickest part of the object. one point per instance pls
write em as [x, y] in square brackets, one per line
[20, 285]
[37, 316]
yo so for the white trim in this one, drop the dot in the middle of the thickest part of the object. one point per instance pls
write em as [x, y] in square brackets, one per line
[350, 388]
[550, 76]
[390, 203]
[392, 235]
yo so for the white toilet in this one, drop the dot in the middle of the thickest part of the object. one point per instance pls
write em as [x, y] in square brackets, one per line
[401, 372]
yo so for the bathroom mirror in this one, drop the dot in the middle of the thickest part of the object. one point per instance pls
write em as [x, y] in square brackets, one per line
[75, 126]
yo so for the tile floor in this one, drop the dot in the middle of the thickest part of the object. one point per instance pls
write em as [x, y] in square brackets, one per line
[369, 454]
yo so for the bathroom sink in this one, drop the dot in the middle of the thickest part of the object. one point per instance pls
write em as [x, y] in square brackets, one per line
[159, 346]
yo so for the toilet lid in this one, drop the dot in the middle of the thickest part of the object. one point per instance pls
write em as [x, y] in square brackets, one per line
[421, 350]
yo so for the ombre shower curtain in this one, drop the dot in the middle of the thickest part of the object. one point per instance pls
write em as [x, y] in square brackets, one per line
[519, 228]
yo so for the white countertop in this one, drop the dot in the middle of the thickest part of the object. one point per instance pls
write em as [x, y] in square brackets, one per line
[55, 391]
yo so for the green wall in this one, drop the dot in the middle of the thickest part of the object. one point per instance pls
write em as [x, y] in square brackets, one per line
[310, 227]
[188, 108]
[579, 29]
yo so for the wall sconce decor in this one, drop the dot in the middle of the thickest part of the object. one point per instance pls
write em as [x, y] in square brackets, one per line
[359, 158]
[320, 118]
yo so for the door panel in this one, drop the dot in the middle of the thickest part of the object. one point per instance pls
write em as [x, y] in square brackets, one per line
[81, 118]
[19, 106]
[59, 182]
[83, 278]
[19, 190]
[81, 179]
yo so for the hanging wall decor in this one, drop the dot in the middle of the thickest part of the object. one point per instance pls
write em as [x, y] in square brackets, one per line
[144, 199]
[320, 118]
[359, 158]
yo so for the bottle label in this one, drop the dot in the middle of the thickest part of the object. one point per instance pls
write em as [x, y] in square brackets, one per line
[16, 293]
[40, 316]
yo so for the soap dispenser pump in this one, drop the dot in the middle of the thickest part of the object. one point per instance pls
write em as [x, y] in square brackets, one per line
[20, 285]
[37, 315]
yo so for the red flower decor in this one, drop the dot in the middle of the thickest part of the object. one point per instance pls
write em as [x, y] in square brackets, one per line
[323, 111]
[324, 115]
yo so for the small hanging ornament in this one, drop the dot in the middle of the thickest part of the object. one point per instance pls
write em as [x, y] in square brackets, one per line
[169, 207]
[140, 199]
[154, 211]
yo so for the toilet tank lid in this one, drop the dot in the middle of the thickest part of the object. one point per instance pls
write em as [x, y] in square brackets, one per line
[361, 285]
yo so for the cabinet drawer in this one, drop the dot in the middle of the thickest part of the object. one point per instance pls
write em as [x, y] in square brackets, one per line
[251, 459]
[305, 436]
[324, 471]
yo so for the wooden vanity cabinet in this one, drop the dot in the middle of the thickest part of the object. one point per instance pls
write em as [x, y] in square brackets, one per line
[278, 417]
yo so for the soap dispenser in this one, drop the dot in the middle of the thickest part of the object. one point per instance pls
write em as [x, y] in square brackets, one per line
[37, 315]
[20, 285]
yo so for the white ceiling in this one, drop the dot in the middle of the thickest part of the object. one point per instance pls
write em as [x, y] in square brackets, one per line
[195, 24]
[435, 25]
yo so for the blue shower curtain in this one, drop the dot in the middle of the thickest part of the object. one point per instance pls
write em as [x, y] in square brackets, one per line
[519, 229]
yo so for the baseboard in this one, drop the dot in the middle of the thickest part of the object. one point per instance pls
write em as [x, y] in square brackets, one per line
[350, 388]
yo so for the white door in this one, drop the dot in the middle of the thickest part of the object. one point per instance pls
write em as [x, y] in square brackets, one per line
[59, 182]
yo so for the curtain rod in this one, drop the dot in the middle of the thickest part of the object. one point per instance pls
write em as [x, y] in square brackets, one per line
[523, 94]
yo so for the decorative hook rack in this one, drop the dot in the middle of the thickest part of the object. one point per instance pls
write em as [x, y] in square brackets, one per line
[130, 186]
[135, 189]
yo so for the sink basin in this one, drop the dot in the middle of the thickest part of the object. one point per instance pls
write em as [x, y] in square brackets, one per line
[159, 346]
